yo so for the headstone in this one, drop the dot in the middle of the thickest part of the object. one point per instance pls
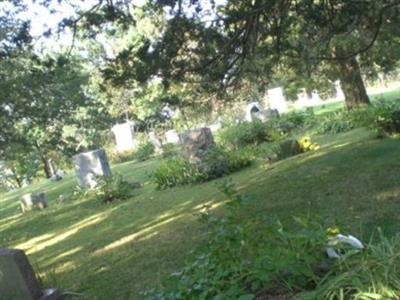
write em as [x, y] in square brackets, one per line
[171, 137]
[196, 143]
[315, 97]
[32, 200]
[253, 111]
[155, 141]
[124, 137]
[277, 100]
[89, 165]
[18, 280]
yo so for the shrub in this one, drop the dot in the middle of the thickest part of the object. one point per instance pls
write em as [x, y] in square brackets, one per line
[125, 156]
[295, 121]
[175, 171]
[334, 123]
[239, 135]
[171, 150]
[216, 163]
[144, 152]
[108, 189]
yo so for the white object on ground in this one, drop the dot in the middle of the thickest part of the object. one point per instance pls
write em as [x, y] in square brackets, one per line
[340, 238]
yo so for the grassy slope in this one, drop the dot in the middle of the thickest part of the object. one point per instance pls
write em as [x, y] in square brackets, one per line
[115, 251]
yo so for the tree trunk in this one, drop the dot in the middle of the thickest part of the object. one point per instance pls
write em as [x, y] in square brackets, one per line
[47, 167]
[352, 83]
[16, 178]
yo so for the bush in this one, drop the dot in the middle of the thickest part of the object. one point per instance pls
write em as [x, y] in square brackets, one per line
[240, 135]
[216, 163]
[175, 171]
[108, 189]
[144, 152]
[295, 121]
[122, 157]
[171, 150]
[334, 123]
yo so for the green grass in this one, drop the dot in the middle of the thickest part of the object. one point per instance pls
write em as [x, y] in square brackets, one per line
[387, 96]
[115, 251]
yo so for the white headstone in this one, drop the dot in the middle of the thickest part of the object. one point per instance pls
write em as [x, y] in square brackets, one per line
[277, 100]
[172, 137]
[124, 138]
[251, 109]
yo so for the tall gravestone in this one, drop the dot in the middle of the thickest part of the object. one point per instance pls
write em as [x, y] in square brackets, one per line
[277, 100]
[18, 280]
[196, 143]
[89, 165]
[124, 137]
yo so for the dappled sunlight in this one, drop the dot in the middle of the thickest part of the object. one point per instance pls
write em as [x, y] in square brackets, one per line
[8, 222]
[393, 194]
[65, 254]
[209, 205]
[132, 237]
[41, 243]
[28, 245]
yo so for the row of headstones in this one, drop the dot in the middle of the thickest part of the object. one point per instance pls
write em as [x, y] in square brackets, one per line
[93, 164]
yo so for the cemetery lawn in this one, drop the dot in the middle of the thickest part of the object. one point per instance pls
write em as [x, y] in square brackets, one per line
[116, 251]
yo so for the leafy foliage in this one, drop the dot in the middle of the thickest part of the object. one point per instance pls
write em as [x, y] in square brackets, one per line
[216, 163]
[240, 135]
[243, 257]
[108, 189]
[369, 275]
[144, 152]
[336, 122]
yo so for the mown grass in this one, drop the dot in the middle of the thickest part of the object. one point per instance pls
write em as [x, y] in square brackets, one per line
[117, 250]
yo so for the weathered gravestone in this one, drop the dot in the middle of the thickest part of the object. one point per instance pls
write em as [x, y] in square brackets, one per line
[89, 165]
[32, 200]
[197, 143]
[18, 280]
